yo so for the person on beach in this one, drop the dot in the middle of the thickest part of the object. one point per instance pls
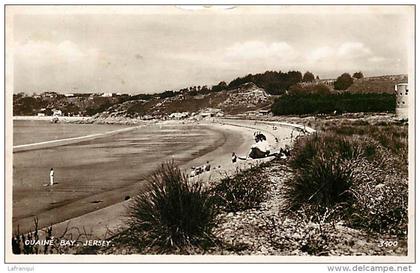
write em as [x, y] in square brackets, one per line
[260, 149]
[234, 157]
[192, 174]
[207, 168]
[52, 176]
[284, 153]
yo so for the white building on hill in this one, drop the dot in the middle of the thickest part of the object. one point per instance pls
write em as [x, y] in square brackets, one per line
[401, 92]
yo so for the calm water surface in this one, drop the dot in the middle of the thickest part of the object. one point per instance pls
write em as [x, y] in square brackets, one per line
[96, 173]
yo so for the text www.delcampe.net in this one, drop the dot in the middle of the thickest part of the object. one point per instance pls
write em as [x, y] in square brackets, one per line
[370, 268]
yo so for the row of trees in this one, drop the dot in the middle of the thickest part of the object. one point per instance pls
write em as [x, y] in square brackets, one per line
[333, 103]
[275, 83]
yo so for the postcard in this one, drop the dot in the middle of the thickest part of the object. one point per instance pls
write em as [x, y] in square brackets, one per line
[219, 133]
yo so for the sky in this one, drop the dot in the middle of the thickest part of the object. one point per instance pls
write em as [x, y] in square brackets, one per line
[151, 49]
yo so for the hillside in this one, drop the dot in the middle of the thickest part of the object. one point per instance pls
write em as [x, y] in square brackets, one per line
[241, 95]
[382, 84]
[247, 97]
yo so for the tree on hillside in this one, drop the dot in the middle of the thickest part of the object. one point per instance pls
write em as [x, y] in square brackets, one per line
[358, 75]
[221, 86]
[71, 109]
[27, 106]
[343, 82]
[275, 83]
[168, 94]
[204, 90]
[308, 77]
[294, 77]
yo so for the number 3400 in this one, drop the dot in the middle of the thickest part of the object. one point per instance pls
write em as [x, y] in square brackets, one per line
[387, 243]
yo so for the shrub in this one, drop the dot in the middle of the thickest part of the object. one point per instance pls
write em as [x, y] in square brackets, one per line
[275, 83]
[323, 169]
[172, 214]
[343, 82]
[381, 200]
[308, 77]
[320, 102]
[324, 182]
[19, 245]
[245, 190]
[360, 177]
[358, 75]
[391, 140]
[304, 150]
[330, 145]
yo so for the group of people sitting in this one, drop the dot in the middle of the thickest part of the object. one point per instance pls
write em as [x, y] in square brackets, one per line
[200, 169]
[261, 149]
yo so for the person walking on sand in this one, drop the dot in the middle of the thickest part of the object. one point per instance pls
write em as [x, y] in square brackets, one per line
[207, 168]
[234, 157]
[52, 176]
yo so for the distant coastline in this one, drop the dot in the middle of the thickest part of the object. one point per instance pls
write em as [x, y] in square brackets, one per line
[49, 118]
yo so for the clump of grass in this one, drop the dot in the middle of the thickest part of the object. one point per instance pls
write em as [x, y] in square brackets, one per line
[245, 190]
[324, 182]
[322, 173]
[18, 241]
[363, 174]
[387, 137]
[380, 200]
[171, 214]
[308, 148]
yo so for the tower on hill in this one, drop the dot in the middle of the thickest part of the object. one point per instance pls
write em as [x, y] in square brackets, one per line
[402, 100]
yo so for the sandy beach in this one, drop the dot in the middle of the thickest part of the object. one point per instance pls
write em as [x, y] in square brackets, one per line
[101, 212]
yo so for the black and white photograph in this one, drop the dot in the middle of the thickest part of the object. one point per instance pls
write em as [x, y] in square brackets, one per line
[209, 133]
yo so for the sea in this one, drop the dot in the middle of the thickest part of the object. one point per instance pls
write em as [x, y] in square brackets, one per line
[92, 174]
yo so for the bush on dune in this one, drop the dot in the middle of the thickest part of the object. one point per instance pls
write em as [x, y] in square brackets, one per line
[380, 199]
[322, 177]
[358, 176]
[245, 190]
[171, 214]
[324, 183]
[382, 138]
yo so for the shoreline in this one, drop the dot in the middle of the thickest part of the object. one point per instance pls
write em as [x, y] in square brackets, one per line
[114, 196]
[66, 141]
[49, 118]
[111, 217]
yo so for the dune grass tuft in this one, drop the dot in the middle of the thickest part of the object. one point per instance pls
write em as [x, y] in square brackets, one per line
[360, 172]
[172, 214]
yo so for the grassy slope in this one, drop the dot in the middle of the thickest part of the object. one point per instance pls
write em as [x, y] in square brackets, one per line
[376, 84]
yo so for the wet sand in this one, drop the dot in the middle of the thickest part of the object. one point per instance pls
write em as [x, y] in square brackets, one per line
[94, 174]
[27, 131]
[93, 186]
[104, 222]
